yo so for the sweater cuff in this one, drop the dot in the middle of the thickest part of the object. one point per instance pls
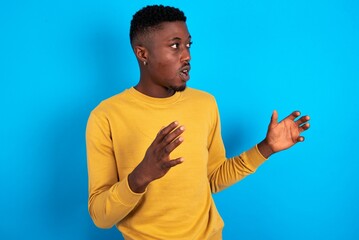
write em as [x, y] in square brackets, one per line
[124, 194]
[255, 157]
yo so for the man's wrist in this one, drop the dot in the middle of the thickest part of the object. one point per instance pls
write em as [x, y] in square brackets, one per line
[136, 183]
[265, 149]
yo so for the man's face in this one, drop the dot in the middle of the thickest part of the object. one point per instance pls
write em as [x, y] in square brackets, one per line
[168, 56]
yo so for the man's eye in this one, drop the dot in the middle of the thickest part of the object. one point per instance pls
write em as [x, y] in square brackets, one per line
[188, 45]
[175, 45]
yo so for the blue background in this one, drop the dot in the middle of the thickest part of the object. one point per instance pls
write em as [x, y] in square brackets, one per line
[59, 59]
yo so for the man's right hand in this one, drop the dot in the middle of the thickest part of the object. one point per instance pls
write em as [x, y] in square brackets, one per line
[157, 162]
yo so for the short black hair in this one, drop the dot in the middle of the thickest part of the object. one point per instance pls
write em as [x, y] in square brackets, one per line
[149, 17]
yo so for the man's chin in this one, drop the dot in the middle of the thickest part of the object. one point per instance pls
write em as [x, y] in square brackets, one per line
[179, 88]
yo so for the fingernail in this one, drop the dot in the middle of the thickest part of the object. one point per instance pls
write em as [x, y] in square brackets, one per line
[182, 128]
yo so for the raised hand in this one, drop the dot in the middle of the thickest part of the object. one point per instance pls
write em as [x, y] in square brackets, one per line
[157, 162]
[284, 134]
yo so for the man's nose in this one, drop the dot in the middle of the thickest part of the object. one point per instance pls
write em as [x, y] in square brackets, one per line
[186, 55]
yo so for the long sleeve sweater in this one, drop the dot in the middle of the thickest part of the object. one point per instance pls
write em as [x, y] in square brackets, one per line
[179, 205]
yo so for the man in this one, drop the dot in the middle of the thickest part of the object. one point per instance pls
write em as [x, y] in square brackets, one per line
[155, 152]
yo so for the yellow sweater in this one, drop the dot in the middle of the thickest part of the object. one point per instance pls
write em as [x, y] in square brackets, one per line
[179, 205]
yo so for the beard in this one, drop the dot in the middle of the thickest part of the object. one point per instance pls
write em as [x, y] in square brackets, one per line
[172, 88]
[178, 88]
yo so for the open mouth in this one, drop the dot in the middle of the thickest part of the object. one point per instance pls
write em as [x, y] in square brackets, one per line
[184, 74]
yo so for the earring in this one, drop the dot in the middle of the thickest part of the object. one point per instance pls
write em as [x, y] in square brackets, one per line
[144, 63]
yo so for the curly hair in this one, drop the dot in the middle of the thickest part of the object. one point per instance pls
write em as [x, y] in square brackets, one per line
[150, 17]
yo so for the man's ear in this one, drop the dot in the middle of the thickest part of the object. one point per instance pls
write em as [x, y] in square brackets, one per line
[141, 53]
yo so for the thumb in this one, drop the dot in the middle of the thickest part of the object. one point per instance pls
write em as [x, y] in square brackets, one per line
[274, 118]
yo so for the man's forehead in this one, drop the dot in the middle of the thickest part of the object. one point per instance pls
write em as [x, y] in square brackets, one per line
[170, 30]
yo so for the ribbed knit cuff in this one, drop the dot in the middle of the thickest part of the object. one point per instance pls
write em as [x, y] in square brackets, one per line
[255, 157]
[123, 193]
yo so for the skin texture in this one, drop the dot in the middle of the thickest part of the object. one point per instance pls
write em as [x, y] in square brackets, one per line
[283, 135]
[162, 56]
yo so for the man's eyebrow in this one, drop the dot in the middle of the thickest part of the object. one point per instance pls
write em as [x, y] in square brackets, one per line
[178, 38]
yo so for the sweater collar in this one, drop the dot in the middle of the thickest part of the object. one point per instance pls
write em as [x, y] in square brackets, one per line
[152, 100]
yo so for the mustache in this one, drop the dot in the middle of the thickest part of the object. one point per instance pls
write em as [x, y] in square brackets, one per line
[186, 66]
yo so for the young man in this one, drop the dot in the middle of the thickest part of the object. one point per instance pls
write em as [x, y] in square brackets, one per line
[155, 152]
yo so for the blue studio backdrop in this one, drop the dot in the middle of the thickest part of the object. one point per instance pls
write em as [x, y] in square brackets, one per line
[59, 59]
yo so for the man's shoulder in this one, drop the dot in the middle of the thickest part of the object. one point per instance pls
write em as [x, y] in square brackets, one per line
[111, 101]
[121, 96]
[197, 96]
[198, 93]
